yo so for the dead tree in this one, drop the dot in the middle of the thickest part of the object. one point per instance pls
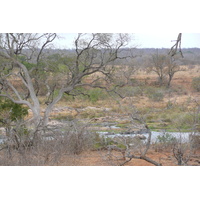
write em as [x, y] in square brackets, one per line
[22, 53]
[135, 115]
[176, 47]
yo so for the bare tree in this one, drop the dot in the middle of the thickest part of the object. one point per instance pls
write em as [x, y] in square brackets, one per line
[172, 67]
[174, 48]
[157, 65]
[137, 145]
[93, 53]
[136, 116]
[12, 46]
[182, 150]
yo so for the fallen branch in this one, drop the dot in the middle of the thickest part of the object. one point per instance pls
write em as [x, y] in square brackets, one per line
[146, 159]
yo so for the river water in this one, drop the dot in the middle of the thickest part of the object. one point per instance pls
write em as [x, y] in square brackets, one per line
[184, 136]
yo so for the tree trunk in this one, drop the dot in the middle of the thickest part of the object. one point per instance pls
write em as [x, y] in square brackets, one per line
[36, 117]
[50, 108]
[35, 105]
[51, 105]
[170, 79]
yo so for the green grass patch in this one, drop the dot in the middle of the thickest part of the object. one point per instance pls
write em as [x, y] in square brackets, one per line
[122, 125]
[64, 117]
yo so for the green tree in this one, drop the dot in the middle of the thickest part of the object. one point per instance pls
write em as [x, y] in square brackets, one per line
[11, 113]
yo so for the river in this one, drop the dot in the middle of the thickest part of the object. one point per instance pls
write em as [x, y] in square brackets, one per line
[184, 136]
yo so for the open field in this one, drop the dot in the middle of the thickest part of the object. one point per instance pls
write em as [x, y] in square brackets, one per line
[171, 113]
[179, 99]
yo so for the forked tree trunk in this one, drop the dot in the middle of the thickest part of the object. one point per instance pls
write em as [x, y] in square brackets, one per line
[169, 81]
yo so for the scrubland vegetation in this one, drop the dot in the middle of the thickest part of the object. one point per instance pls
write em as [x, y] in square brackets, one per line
[98, 104]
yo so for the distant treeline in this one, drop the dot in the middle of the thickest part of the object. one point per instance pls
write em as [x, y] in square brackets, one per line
[141, 55]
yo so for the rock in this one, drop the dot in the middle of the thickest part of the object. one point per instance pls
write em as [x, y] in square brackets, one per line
[107, 109]
[54, 123]
[95, 108]
[2, 131]
[55, 110]
[142, 131]
[100, 119]
[141, 137]
[109, 134]
[125, 133]
[128, 133]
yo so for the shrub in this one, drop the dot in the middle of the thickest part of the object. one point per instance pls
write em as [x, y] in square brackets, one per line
[196, 84]
[195, 141]
[92, 94]
[101, 142]
[155, 94]
[76, 138]
[164, 142]
[11, 112]
[166, 139]
[127, 91]
[133, 81]
[12, 119]
[96, 94]
[185, 121]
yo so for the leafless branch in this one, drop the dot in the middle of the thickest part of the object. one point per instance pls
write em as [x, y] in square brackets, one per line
[174, 48]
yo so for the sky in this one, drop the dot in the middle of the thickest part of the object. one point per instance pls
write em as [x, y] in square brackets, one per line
[143, 40]
[160, 40]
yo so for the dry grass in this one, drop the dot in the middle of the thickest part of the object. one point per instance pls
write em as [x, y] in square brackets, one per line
[89, 158]
[182, 93]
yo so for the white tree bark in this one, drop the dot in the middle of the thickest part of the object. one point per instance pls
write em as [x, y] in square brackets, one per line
[92, 54]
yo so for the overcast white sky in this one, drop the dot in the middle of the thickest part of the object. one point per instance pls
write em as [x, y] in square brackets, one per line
[144, 40]
[159, 40]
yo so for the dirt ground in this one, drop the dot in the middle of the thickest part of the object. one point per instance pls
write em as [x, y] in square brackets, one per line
[102, 158]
